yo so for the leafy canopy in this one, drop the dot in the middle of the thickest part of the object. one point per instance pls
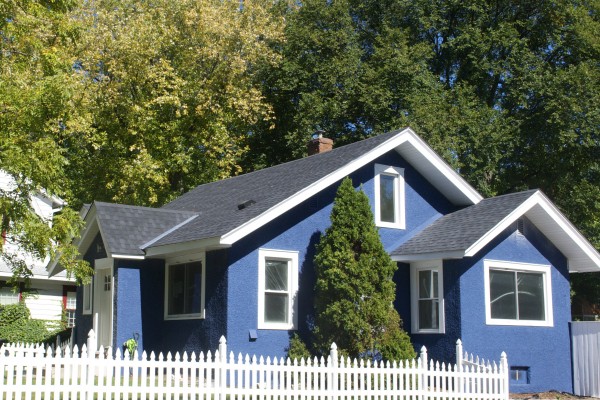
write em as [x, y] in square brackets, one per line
[37, 101]
[170, 95]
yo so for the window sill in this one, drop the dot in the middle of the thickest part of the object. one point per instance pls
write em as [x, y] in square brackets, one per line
[428, 332]
[277, 327]
[184, 317]
[509, 322]
[391, 225]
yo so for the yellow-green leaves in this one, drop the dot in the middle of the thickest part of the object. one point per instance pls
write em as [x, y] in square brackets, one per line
[172, 94]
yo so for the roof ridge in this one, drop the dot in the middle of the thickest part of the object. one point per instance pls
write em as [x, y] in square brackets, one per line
[513, 194]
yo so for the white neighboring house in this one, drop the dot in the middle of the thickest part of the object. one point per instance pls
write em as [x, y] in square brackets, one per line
[47, 296]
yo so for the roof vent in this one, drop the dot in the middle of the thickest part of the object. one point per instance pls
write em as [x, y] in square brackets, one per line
[246, 204]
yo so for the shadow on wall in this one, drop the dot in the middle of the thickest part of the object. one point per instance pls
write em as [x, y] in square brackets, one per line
[306, 290]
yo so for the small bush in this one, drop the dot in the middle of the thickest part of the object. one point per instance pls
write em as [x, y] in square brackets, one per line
[297, 348]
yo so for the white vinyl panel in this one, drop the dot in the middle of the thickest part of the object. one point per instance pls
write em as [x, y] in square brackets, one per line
[586, 353]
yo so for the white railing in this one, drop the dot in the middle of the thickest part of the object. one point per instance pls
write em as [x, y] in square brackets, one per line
[31, 372]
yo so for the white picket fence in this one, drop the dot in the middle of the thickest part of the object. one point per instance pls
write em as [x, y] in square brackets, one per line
[31, 372]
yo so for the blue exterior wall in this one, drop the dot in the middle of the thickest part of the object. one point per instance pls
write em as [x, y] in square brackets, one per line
[544, 350]
[143, 282]
[300, 230]
[135, 295]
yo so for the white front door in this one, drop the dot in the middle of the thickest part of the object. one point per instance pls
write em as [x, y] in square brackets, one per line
[103, 300]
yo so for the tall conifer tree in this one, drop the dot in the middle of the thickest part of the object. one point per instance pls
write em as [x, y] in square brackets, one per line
[354, 287]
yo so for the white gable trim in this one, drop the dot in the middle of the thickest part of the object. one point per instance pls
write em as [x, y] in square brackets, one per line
[165, 233]
[404, 138]
[582, 256]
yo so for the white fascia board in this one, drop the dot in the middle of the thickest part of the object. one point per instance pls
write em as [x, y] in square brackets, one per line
[127, 257]
[39, 277]
[501, 226]
[447, 255]
[444, 168]
[91, 228]
[185, 247]
[82, 243]
[407, 135]
[579, 243]
[167, 232]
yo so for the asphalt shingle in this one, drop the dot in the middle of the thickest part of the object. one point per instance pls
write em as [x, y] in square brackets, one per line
[217, 203]
[457, 231]
[126, 228]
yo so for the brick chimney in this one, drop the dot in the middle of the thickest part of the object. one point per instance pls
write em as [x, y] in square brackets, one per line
[319, 144]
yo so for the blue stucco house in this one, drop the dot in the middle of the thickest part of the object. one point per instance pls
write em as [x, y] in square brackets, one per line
[234, 258]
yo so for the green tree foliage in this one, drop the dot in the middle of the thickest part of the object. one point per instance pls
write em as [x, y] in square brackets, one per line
[354, 288]
[38, 99]
[329, 79]
[169, 94]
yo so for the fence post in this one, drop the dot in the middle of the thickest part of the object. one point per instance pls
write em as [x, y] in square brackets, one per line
[92, 344]
[459, 366]
[333, 377]
[423, 377]
[222, 362]
[505, 373]
[459, 354]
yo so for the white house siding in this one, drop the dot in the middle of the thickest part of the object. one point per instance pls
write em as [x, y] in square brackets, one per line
[46, 301]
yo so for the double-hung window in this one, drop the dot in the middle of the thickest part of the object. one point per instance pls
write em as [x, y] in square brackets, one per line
[389, 196]
[184, 289]
[277, 289]
[517, 294]
[70, 304]
[427, 300]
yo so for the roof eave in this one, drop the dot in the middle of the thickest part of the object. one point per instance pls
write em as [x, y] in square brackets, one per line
[443, 255]
[162, 251]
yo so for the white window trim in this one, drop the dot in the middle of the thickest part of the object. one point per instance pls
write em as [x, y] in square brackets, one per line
[435, 265]
[399, 198]
[184, 260]
[87, 293]
[525, 267]
[292, 258]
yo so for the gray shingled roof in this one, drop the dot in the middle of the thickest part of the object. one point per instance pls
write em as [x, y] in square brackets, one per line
[217, 203]
[459, 230]
[126, 228]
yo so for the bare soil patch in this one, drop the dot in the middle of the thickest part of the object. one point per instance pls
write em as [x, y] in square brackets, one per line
[554, 395]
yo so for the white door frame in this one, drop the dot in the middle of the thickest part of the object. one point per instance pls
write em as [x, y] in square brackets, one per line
[105, 314]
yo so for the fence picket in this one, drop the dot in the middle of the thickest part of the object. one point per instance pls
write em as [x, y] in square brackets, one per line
[32, 372]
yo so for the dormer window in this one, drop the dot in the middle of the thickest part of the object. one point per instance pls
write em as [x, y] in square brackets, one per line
[389, 196]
